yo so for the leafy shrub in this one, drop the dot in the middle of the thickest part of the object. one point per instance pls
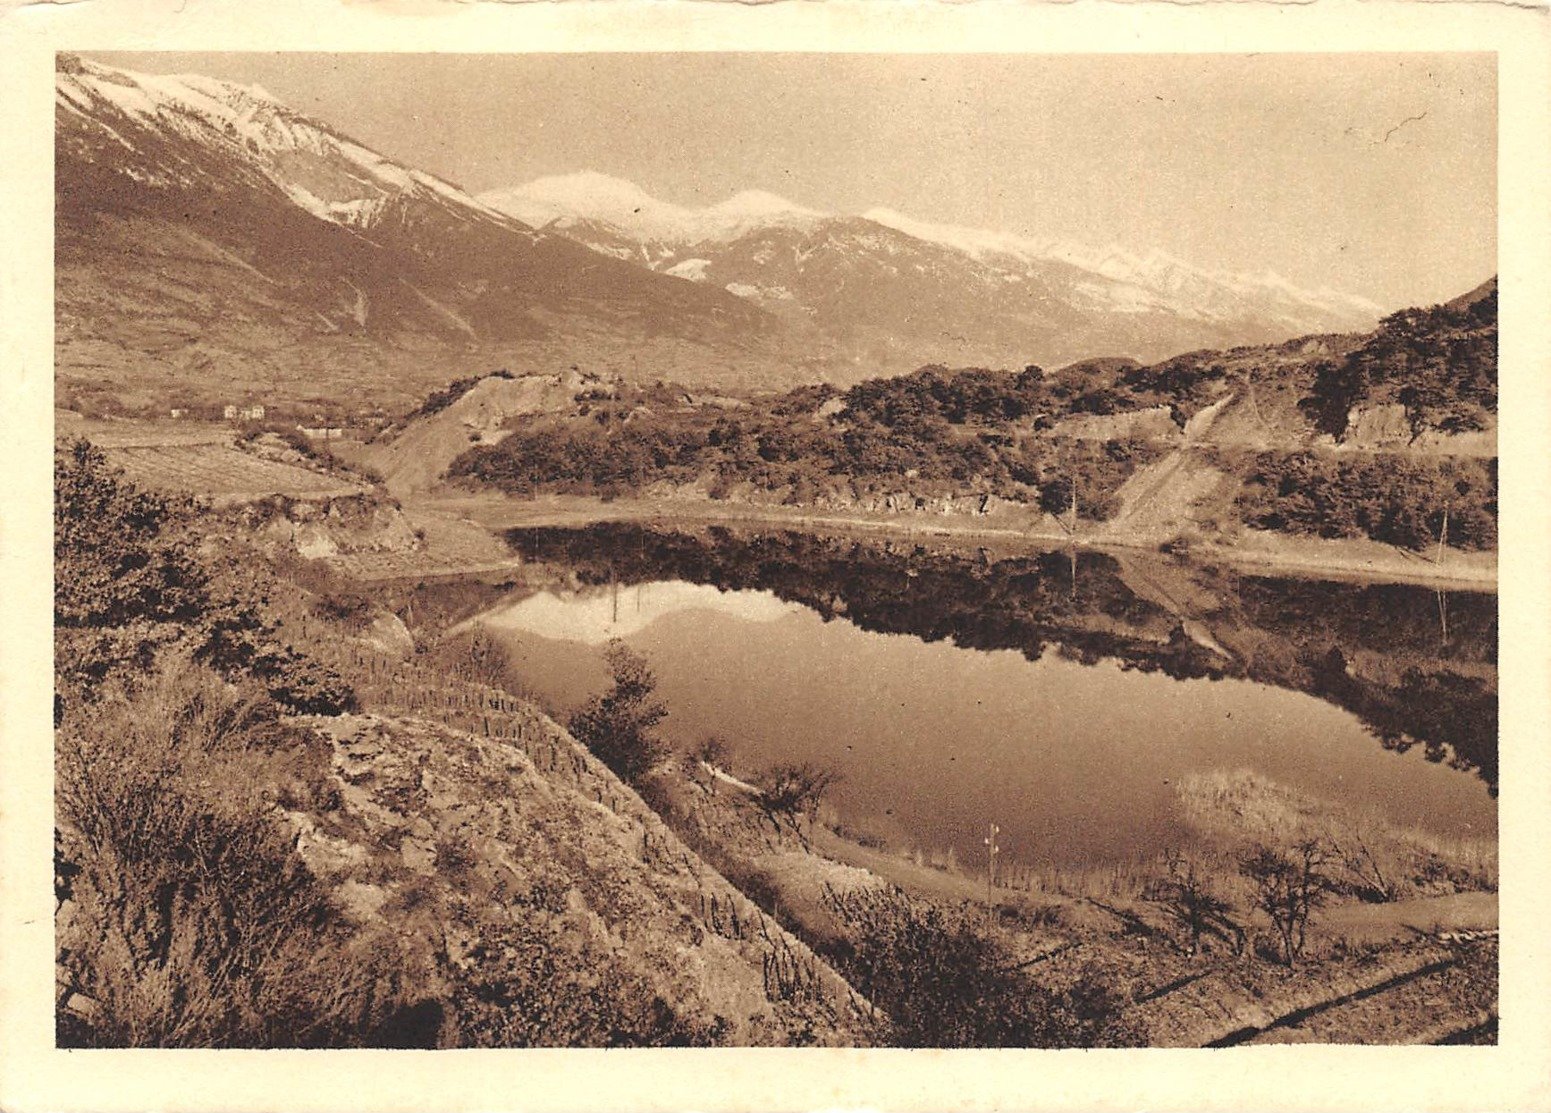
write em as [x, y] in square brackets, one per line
[943, 981]
[790, 789]
[192, 920]
[128, 584]
[619, 725]
[304, 684]
[527, 986]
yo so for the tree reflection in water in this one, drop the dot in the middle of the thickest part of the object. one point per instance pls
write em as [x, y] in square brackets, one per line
[1379, 651]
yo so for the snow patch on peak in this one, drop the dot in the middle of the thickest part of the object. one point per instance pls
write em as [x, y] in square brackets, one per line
[588, 195]
[975, 242]
[300, 156]
[758, 202]
[691, 269]
[633, 212]
[586, 190]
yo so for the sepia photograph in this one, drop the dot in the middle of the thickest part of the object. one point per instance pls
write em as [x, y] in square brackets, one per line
[797, 549]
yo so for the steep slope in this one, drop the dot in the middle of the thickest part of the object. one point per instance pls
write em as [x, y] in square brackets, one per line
[507, 847]
[892, 291]
[417, 457]
[208, 236]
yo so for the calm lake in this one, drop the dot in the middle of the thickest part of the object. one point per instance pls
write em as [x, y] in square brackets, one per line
[1061, 697]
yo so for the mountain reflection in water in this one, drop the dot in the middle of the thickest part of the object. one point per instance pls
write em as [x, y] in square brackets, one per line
[1055, 714]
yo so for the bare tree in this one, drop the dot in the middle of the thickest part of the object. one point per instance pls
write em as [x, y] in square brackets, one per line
[1289, 886]
[709, 755]
[1187, 892]
[796, 789]
[1364, 867]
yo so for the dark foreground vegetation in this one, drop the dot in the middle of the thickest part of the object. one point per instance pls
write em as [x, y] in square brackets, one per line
[190, 919]
[187, 917]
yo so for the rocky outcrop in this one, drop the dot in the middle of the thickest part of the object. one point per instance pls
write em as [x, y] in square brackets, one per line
[334, 528]
[1387, 428]
[1154, 423]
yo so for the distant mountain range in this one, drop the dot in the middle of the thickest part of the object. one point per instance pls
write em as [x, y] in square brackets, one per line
[210, 238]
[207, 234]
[882, 284]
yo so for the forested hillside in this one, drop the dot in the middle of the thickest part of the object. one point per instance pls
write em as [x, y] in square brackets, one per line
[934, 433]
[1267, 432]
[1439, 363]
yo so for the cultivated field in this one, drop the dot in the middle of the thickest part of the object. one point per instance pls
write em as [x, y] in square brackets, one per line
[203, 460]
[223, 473]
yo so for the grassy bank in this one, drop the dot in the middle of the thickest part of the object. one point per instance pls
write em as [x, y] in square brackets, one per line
[1177, 951]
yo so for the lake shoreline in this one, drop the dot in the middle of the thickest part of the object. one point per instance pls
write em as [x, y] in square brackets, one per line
[1313, 558]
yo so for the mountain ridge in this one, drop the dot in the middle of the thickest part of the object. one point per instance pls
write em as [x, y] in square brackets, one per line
[598, 209]
[208, 238]
[214, 244]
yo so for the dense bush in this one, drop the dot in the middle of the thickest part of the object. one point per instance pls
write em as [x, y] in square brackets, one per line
[944, 981]
[526, 987]
[1393, 499]
[619, 726]
[128, 584]
[790, 789]
[191, 921]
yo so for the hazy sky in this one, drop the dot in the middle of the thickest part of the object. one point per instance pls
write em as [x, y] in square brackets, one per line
[1371, 173]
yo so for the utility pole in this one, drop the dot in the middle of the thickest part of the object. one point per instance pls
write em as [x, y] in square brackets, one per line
[1443, 536]
[992, 850]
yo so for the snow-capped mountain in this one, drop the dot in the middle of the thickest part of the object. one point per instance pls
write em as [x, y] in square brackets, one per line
[324, 173]
[1157, 278]
[939, 291]
[203, 226]
[210, 236]
[565, 200]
